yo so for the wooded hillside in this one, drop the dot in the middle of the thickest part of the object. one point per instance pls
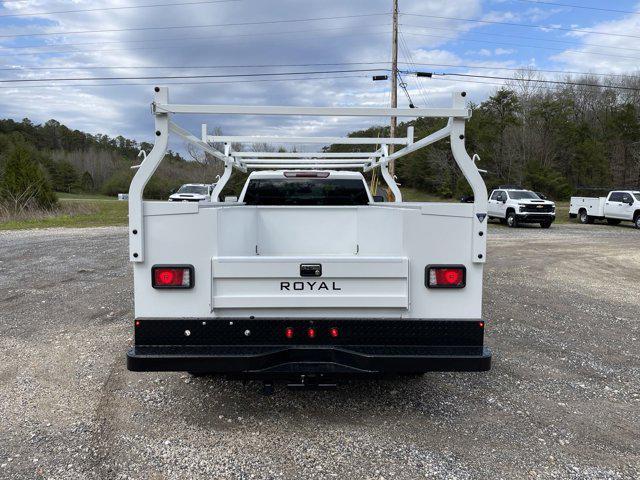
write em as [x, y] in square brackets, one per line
[554, 140]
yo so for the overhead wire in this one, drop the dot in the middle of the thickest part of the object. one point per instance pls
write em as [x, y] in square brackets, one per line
[177, 27]
[409, 57]
[173, 39]
[128, 84]
[582, 7]
[170, 47]
[537, 47]
[126, 7]
[525, 25]
[170, 77]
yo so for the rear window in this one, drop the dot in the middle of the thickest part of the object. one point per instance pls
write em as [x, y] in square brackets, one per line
[306, 191]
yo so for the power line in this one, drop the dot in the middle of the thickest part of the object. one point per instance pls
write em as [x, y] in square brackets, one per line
[168, 47]
[571, 5]
[554, 82]
[526, 25]
[487, 67]
[524, 37]
[129, 7]
[128, 84]
[175, 27]
[283, 65]
[537, 47]
[197, 67]
[173, 39]
[160, 77]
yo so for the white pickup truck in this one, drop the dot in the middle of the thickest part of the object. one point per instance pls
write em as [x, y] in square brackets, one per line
[193, 192]
[617, 206]
[305, 278]
[514, 206]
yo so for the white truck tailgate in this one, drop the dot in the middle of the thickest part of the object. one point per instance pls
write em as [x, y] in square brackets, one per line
[276, 282]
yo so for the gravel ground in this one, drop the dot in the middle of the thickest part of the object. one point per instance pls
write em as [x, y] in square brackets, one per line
[562, 399]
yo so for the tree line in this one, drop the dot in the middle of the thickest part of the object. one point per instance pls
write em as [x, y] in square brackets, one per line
[557, 140]
[38, 160]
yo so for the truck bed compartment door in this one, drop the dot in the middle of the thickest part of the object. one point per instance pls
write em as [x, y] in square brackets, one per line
[303, 282]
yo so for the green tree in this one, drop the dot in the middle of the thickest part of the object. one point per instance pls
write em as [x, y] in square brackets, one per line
[64, 176]
[23, 184]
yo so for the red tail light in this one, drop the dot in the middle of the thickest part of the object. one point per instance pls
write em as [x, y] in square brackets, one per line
[333, 332]
[172, 276]
[311, 333]
[289, 333]
[446, 276]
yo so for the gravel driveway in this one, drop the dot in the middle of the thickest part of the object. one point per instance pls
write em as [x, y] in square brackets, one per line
[562, 399]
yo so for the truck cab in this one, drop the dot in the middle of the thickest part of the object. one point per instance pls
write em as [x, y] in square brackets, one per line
[320, 187]
[515, 206]
[623, 205]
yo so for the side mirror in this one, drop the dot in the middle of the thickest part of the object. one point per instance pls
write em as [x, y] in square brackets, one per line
[378, 198]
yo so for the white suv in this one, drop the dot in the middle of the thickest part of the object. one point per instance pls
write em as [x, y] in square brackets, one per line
[514, 206]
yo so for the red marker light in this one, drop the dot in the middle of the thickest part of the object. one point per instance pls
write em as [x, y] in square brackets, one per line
[172, 277]
[446, 277]
[137, 323]
[333, 332]
[311, 333]
[481, 324]
[289, 333]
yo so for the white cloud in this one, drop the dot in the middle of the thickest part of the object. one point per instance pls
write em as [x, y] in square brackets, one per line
[125, 110]
[613, 54]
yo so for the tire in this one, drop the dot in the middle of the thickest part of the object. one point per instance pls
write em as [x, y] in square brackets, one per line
[546, 224]
[613, 221]
[636, 222]
[584, 217]
[512, 220]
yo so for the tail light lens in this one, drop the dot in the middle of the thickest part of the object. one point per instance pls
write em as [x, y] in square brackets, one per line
[445, 276]
[172, 276]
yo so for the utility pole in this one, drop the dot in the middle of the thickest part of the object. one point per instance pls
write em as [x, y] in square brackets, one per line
[394, 81]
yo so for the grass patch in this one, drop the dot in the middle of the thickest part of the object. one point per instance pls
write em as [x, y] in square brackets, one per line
[74, 211]
[414, 195]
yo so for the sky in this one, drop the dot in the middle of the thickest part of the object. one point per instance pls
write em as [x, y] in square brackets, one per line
[49, 39]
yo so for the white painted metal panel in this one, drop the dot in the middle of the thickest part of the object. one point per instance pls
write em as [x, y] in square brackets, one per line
[276, 283]
[307, 230]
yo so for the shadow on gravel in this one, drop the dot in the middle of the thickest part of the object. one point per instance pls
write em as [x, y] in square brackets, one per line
[443, 396]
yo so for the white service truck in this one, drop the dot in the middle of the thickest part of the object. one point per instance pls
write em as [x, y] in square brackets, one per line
[193, 192]
[305, 278]
[617, 206]
[514, 206]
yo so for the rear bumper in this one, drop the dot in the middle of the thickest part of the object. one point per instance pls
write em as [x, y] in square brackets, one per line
[364, 347]
[309, 360]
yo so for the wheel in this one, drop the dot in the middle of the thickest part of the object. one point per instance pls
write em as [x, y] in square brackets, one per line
[584, 218]
[545, 224]
[636, 222]
[613, 221]
[512, 220]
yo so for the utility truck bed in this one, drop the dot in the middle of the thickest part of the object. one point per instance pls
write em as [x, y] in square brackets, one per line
[305, 276]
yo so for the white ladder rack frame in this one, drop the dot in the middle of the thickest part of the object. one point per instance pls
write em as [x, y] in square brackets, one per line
[366, 161]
